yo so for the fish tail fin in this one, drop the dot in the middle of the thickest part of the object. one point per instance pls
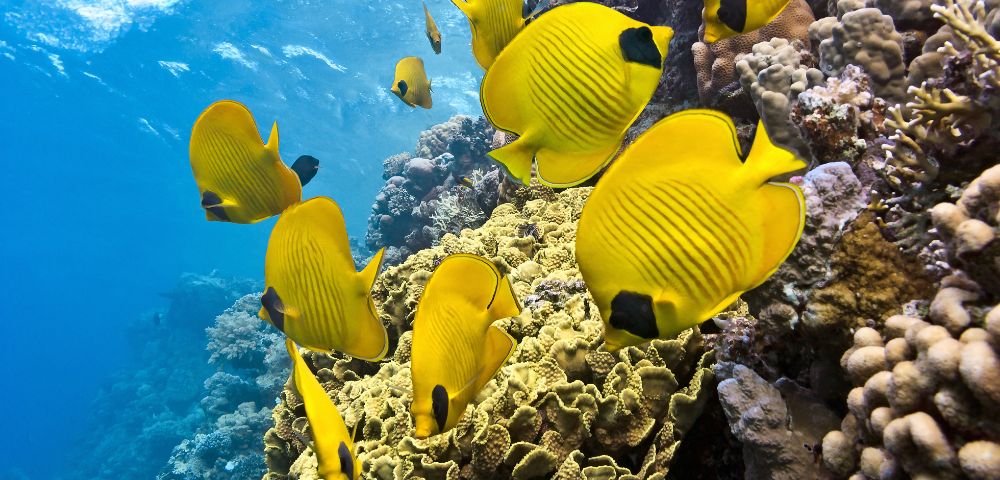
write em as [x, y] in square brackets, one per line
[430, 86]
[767, 160]
[371, 270]
[272, 140]
[505, 302]
[516, 158]
[786, 207]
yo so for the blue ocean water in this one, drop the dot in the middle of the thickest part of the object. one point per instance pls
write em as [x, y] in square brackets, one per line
[102, 214]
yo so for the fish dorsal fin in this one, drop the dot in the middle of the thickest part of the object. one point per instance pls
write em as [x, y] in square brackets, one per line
[784, 217]
[370, 272]
[498, 348]
[327, 425]
[323, 214]
[505, 302]
[767, 160]
[272, 139]
[666, 149]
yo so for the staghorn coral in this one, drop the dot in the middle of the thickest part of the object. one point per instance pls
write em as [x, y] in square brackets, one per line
[562, 406]
[954, 108]
[715, 63]
[863, 37]
[774, 74]
[923, 397]
[970, 228]
[448, 185]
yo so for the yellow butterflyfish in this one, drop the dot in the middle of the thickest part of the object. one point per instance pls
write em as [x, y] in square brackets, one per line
[242, 180]
[313, 292]
[456, 350]
[433, 34]
[570, 85]
[493, 23]
[674, 232]
[411, 84]
[332, 442]
[728, 18]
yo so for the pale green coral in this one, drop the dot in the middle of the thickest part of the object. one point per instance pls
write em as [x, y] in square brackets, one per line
[561, 406]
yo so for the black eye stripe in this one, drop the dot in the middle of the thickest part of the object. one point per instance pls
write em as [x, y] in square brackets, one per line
[275, 307]
[346, 460]
[439, 403]
[633, 312]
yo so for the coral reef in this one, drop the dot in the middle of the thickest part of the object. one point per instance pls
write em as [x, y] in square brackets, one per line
[774, 75]
[922, 396]
[449, 184]
[954, 114]
[252, 368]
[155, 405]
[715, 63]
[561, 406]
[970, 228]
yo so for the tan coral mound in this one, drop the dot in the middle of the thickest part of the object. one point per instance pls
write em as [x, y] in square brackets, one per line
[715, 63]
[561, 408]
[925, 396]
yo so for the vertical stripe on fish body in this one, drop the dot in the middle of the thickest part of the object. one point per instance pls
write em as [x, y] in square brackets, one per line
[570, 85]
[232, 165]
[455, 349]
[672, 234]
[313, 292]
[494, 23]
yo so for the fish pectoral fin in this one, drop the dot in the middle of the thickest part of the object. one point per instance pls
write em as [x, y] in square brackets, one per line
[560, 170]
[498, 348]
[505, 302]
[784, 220]
[516, 158]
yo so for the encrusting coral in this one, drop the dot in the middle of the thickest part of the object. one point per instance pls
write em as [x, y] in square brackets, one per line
[970, 227]
[561, 407]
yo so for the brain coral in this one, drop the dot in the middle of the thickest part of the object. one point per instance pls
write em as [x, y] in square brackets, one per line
[561, 407]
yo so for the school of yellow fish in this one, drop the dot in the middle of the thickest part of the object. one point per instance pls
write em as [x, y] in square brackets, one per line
[669, 237]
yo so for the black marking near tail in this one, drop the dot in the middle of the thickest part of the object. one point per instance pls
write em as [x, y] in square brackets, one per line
[633, 312]
[211, 202]
[305, 167]
[638, 46]
[275, 308]
[733, 13]
[439, 403]
[346, 460]
[402, 88]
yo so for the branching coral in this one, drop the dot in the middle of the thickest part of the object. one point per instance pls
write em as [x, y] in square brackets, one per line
[951, 112]
[562, 406]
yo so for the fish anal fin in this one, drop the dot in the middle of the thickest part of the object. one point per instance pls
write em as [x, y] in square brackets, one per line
[767, 160]
[785, 208]
[498, 348]
[516, 158]
[505, 302]
[560, 170]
